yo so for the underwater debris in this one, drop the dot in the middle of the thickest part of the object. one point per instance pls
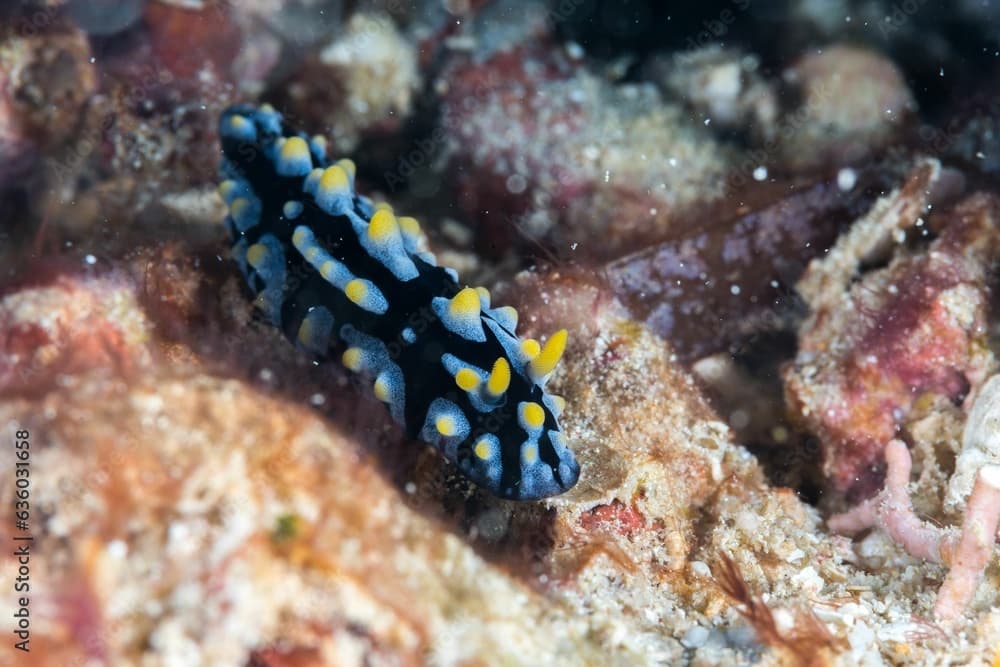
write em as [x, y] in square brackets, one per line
[980, 443]
[807, 643]
[876, 344]
[712, 285]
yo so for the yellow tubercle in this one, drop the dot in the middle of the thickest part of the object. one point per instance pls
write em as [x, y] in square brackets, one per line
[530, 454]
[499, 377]
[356, 291]
[465, 304]
[238, 206]
[294, 148]
[382, 389]
[445, 426]
[511, 314]
[347, 165]
[409, 225]
[299, 237]
[383, 206]
[383, 226]
[334, 179]
[327, 269]
[546, 360]
[257, 255]
[483, 449]
[467, 379]
[352, 358]
[226, 188]
[484, 296]
[530, 348]
[534, 415]
[305, 331]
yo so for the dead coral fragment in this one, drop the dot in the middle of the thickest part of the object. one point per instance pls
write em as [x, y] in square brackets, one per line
[980, 443]
[967, 552]
[873, 346]
[723, 84]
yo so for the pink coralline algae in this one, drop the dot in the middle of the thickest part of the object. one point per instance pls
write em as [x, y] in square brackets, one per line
[967, 551]
[72, 325]
[874, 346]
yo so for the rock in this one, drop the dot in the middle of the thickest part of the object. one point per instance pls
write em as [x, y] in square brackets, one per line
[872, 346]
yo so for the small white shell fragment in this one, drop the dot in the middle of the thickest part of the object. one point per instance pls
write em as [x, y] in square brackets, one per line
[980, 444]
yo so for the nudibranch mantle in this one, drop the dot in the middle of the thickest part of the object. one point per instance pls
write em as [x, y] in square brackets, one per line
[334, 271]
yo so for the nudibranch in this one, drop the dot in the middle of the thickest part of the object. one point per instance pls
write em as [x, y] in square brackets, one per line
[338, 273]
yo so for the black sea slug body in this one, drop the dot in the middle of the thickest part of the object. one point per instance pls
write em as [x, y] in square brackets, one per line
[333, 270]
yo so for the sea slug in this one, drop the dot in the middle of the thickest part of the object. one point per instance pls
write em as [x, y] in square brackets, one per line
[334, 271]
